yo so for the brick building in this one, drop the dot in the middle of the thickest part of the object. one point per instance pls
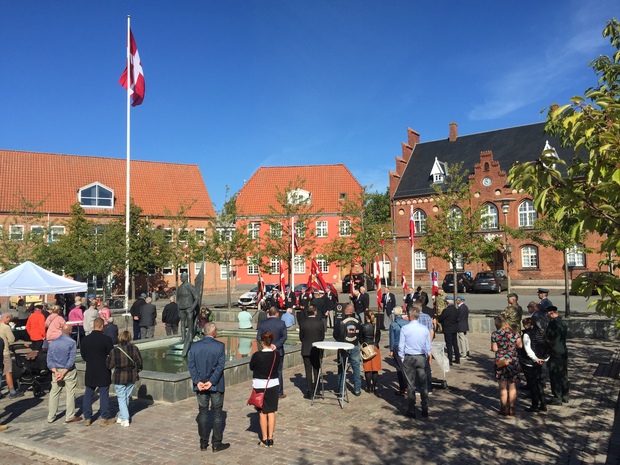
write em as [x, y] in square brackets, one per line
[325, 187]
[488, 157]
[52, 183]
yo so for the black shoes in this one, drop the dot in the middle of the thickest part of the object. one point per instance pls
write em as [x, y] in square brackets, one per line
[410, 414]
[307, 395]
[221, 446]
[532, 409]
[266, 443]
[204, 447]
[357, 394]
[425, 413]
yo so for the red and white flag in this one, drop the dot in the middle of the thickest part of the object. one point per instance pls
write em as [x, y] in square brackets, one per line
[282, 286]
[411, 227]
[378, 282]
[136, 75]
[316, 270]
[403, 281]
[261, 290]
[435, 283]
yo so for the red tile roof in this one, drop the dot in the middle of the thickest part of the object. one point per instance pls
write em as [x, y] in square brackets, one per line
[325, 182]
[55, 178]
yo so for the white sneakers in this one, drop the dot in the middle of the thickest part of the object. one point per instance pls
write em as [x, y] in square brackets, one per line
[124, 423]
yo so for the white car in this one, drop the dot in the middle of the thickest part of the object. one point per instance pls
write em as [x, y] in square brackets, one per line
[248, 299]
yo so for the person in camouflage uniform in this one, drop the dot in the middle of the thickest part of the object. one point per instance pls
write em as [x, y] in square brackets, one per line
[513, 313]
[440, 305]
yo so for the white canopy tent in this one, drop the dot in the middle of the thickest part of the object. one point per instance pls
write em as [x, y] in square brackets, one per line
[29, 279]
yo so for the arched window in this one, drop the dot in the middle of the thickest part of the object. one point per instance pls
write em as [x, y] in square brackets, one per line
[529, 256]
[455, 218]
[527, 214]
[575, 256]
[419, 219]
[420, 260]
[96, 195]
[489, 216]
[486, 166]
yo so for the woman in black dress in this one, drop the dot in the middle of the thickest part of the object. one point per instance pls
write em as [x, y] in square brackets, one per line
[262, 364]
[371, 335]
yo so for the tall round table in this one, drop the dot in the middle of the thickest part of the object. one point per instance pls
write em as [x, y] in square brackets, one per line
[342, 395]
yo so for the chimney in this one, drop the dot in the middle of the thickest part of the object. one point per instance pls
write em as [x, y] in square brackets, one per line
[454, 132]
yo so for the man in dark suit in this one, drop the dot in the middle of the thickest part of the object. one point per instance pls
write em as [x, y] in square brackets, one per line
[148, 319]
[135, 314]
[449, 320]
[206, 361]
[274, 324]
[111, 330]
[388, 302]
[331, 300]
[311, 330]
[95, 349]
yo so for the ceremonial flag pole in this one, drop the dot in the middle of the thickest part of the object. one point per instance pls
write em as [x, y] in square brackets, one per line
[293, 250]
[132, 80]
[411, 241]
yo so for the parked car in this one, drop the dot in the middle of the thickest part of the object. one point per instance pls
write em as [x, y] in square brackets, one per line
[465, 283]
[248, 299]
[359, 279]
[490, 281]
[587, 276]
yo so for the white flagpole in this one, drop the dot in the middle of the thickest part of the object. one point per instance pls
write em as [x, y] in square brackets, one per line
[292, 254]
[412, 253]
[127, 197]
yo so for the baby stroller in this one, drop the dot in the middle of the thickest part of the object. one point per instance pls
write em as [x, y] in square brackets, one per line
[30, 370]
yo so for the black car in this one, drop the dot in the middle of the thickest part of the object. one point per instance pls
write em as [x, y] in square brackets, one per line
[491, 281]
[465, 283]
[359, 279]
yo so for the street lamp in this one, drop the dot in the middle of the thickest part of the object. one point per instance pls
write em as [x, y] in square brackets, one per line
[507, 245]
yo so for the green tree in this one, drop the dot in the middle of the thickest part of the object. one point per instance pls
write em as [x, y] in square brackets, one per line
[367, 221]
[585, 196]
[453, 232]
[225, 241]
[289, 203]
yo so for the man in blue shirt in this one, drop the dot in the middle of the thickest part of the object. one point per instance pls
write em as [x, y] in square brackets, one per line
[414, 348]
[289, 319]
[61, 361]
[207, 358]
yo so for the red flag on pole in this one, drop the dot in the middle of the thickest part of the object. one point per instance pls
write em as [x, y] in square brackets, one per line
[378, 282]
[282, 286]
[435, 283]
[136, 75]
[411, 227]
[403, 281]
[351, 283]
[261, 290]
[316, 270]
[295, 243]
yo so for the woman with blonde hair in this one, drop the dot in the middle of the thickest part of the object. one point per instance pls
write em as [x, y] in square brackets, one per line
[505, 342]
[54, 324]
[370, 335]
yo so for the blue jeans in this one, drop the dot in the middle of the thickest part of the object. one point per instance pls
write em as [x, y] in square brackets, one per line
[217, 402]
[104, 404]
[123, 392]
[353, 356]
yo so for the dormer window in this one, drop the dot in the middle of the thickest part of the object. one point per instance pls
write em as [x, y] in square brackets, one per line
[299, 197]
[96, 195]
[439, 173]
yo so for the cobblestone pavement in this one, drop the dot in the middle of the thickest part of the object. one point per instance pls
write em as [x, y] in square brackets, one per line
[463, 427]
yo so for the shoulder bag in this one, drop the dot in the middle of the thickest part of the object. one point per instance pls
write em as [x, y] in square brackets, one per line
[257, 398]
[368, 351]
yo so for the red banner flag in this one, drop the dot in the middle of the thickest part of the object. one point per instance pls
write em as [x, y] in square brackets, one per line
[261, 290]
[435, 283]
[411, 226]
[316, 270]
[282, 286]
[378, 282]
[136, 75]
[403, 281]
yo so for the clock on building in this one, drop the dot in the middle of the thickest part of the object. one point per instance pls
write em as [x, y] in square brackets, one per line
[486, 182]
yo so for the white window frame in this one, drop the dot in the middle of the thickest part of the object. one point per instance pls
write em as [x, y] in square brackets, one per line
[200, 234]
[100, 202]
[419, 220]
[529, 257]
[16, 232]
[56, 231]
[321, 228]
[575, 256]
[344, 228]
[225, 270]
[299, 264]
[167, 270]
[421, 262]
[169, 233]
[489, 216]
[527, 214]
[183, 269]
[299, 229]
[460, 265]
[252, 266]
[275, 230]
[197, 266]
[183, 234]
[253, 230]
[226, 234]
[274, 265]
[321, 260]
[37, 229]
[455, 218]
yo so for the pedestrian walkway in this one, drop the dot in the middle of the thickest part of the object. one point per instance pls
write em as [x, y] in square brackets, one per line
[463, 427]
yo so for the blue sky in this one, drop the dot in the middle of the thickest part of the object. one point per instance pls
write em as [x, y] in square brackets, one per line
[235, 85]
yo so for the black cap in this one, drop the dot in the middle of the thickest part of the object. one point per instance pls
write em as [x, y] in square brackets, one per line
[551, 308]
[543, 291]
